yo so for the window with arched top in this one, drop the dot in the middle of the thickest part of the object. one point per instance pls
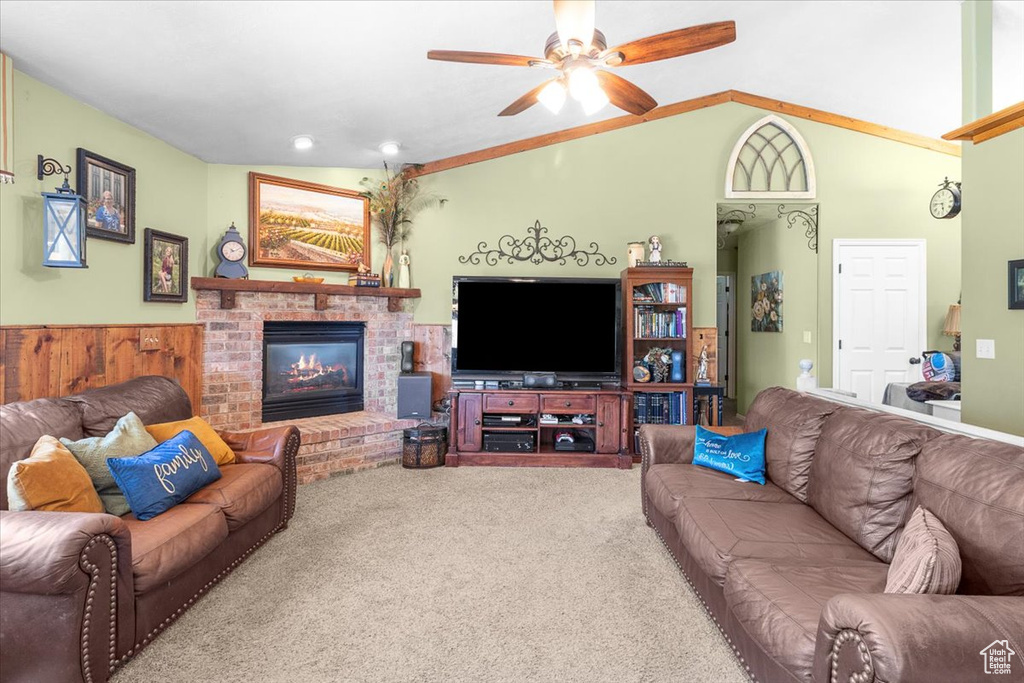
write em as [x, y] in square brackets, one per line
[769, 161]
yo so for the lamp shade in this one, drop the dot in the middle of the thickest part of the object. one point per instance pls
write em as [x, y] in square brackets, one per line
[6, 119]
[63, 230]
[952, 326]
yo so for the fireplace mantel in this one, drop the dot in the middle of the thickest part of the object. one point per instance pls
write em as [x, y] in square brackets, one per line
[228, 288]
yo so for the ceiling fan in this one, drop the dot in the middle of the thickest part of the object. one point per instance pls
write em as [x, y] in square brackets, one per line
[577, 51]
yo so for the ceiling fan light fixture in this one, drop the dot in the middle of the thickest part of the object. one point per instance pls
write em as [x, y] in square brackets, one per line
[582, 83]
[575, 22]
[594, 101]
[553, 96]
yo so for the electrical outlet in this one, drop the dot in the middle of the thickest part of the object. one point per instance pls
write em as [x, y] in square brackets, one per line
[807, 336]
[985, 348]
[149, 339]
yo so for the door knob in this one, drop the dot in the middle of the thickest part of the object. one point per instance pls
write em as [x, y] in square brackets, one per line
[511, 403]
[476, 422]
[600, 424]
[915, 361]
[568, 403]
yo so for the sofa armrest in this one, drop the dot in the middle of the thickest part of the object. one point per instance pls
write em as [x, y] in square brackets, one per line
[66, 578]
[277, 446]
[889, 637]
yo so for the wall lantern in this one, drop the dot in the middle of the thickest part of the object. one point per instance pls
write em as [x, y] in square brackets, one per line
[63, 220]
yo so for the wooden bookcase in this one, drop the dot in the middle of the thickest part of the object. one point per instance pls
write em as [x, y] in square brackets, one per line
[657, 312]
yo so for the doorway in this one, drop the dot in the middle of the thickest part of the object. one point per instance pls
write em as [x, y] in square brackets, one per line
[879, 293]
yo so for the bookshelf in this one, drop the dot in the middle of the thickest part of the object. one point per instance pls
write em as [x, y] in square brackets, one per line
[657, 311]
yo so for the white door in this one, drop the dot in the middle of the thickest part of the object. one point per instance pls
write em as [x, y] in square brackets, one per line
[726, 311]
[878, 313]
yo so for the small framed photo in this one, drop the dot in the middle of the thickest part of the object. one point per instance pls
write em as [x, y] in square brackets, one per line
[1015, 283]
[109, 191]
[165, 267]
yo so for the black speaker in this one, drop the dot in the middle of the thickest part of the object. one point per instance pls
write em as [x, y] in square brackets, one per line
[533, 380]
[414, 395]
[408, 347]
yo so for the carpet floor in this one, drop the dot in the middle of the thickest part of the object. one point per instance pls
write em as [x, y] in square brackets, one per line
[469, 574]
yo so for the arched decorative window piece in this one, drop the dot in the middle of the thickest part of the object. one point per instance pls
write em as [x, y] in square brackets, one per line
[770, 161]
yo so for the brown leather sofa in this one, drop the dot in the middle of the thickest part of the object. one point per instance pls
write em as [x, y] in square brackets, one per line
[80, 593]
[794, 572]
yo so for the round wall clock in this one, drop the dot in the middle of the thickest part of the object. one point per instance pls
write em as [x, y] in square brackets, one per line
[946, 202]
[231, 251]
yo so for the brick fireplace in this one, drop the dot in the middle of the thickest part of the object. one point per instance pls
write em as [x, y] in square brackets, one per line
[232, 369]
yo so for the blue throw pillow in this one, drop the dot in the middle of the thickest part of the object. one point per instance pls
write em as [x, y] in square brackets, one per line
[741, 455]
[156, 481]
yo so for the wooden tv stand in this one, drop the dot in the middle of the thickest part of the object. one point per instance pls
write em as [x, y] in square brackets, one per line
[607, 411]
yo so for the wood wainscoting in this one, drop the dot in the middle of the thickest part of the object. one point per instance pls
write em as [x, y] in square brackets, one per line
[38, 361]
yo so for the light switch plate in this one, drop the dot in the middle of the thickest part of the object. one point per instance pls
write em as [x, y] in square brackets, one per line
[985, 348]
[807, 336]
[149, 339]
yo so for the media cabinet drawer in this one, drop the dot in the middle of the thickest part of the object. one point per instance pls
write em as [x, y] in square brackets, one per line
[510, 403]
[568, 404]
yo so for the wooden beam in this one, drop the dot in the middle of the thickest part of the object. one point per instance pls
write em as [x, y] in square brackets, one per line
[222, 285]
[683, 107]
[846, 122]
[991, 126]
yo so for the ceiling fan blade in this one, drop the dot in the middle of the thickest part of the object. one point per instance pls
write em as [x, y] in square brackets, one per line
[485, 58]
[624, 94]
[574, 20]
[525, 102]
[676, 43]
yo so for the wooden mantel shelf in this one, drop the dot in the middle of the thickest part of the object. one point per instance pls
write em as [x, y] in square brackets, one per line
[229, 288]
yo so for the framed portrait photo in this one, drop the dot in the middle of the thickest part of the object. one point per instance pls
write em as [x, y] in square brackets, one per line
[1015, 283]
[109, 191]
[165, 267]
[295, 224]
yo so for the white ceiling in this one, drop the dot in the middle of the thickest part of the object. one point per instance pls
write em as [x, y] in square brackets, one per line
[233, 82]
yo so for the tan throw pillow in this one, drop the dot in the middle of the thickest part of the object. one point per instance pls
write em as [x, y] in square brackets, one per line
[51, 479]
[926, 558]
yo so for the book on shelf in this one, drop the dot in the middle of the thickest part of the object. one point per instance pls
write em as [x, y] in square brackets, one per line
[648, 323]
[659, 293]
[660, 408]
[364, 280]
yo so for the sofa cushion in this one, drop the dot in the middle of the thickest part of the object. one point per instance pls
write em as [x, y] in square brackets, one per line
[926, 558]
[242, 492]
[793, 421]
[975, 487]
[862, 475]
[51, 480]
[740, 455]
[716, 532]
[668, 484]
[21, 425]
[154, 399]
[778, 603]
[168, 544]
[220, 451]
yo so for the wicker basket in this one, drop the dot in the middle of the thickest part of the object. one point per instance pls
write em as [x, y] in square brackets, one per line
[424, 446]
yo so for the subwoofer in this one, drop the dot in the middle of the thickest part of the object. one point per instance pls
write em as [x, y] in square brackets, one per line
[408, 348]
[414, 395]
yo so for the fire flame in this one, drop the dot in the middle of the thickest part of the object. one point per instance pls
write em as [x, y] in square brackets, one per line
[311, 368]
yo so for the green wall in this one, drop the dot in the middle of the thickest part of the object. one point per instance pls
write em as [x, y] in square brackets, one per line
[993, 217]
[765, 359]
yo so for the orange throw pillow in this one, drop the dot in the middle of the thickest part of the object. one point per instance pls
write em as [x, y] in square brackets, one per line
[51, 479]
[220, 451]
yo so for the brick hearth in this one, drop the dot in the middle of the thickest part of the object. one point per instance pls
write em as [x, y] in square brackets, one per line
[233, 382]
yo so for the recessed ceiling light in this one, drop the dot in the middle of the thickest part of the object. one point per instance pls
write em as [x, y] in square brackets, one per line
[390, 148]
[302, 141]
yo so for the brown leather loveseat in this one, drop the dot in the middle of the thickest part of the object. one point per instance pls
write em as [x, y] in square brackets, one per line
[794, 572]
[82, 592]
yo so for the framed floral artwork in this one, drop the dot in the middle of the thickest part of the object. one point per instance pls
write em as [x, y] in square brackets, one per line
[766, 302]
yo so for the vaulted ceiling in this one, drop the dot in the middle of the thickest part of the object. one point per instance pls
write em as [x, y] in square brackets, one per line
[233, 82]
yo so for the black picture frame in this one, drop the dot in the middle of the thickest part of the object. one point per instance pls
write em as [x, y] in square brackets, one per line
[153, 278]
[1015, 284]
[96, 175]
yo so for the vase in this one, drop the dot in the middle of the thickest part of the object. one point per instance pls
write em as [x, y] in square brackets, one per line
[635, 253]
[677, 366]
[387, 271]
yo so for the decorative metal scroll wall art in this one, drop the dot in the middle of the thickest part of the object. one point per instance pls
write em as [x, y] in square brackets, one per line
[770, 161]
[805, 216]
[537, 248]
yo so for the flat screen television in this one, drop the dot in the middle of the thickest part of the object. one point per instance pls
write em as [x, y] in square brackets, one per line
[504, 327]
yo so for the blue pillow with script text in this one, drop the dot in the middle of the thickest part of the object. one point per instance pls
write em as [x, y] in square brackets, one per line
[156, 481]
[741, 455]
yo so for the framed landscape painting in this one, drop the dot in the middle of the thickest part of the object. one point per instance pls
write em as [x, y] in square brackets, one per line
[295, 224]
[109, 191]
[165, 267]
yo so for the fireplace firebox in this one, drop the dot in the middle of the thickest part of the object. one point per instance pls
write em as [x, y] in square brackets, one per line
[311, 368]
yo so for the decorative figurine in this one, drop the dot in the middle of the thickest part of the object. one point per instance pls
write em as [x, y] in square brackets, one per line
[635, 253]
[655, 249]
[702, 366]
[657, 360]
[403, 270]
